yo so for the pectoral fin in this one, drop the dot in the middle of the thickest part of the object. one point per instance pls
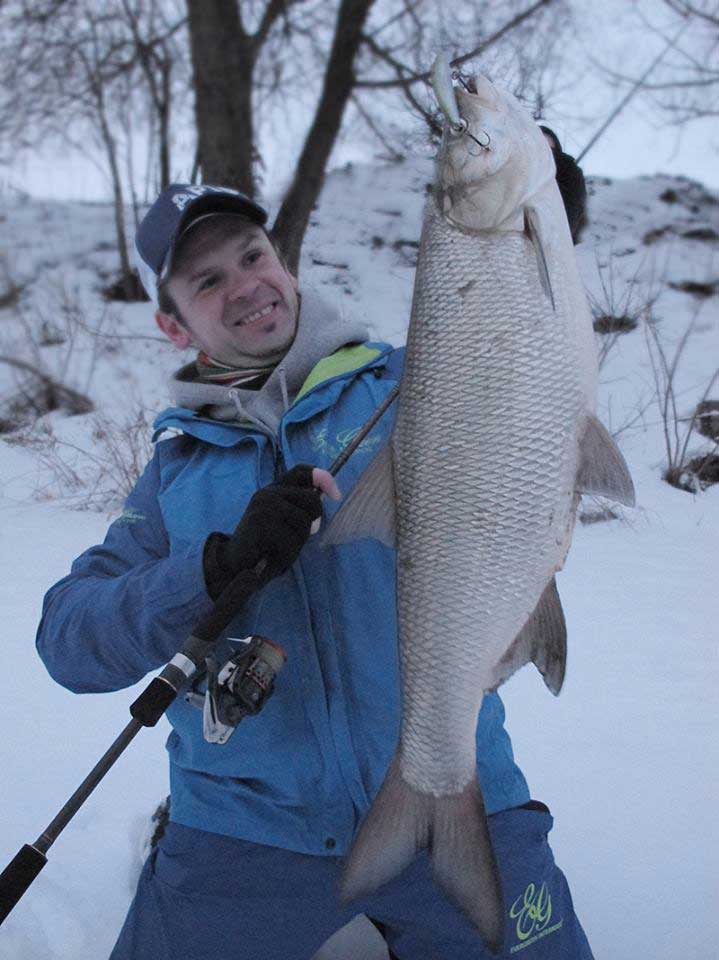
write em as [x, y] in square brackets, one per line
[543, 640]
[369, 510]
[534, 231]
[602, 468]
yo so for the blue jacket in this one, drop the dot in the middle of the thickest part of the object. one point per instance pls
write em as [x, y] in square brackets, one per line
[302, 773]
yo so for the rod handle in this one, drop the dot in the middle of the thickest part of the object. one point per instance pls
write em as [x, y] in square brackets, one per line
[17, 877]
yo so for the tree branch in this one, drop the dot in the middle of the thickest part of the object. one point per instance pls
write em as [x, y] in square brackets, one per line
[689, 10]
[294, 214]
[272, 11]
[407, 11]
[414, 103]
[458, 61]
[392, 152]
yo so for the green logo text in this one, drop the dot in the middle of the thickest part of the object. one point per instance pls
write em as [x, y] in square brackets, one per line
[532, 910]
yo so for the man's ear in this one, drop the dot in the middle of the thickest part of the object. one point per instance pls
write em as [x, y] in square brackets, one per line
[180, 336]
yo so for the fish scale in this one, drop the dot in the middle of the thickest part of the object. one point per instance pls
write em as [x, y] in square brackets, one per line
[495, 439]
[473, 563]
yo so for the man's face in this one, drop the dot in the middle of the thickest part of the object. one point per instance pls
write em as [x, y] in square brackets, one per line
[237, 301]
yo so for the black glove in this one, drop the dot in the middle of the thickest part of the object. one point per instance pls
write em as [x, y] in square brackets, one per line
[572, 187]
[274, 527]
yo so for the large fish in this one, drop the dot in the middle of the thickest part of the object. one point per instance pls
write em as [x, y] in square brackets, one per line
[495, 440]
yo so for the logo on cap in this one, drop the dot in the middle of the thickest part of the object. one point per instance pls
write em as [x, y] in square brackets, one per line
[191, 193]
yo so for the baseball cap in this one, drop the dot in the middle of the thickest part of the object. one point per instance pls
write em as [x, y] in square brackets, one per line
[175, 209]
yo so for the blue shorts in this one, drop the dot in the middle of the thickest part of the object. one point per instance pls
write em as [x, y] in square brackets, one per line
[203, 896]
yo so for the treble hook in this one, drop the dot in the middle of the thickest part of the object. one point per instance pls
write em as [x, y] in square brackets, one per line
[463, 126]
[482, 146]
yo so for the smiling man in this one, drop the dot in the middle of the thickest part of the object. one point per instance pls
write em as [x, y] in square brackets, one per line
[228, 293]
[249, 864]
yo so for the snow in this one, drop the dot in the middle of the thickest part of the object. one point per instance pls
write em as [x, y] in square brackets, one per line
[625, 757]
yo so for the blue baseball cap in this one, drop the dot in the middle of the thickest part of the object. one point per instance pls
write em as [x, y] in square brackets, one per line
[171, 214]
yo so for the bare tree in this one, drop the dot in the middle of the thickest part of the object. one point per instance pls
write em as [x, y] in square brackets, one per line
[154, 28]
[686, 85]
[80, 72]
[224, 55]
[693, 91]
[294, 214]
[113, 70]
[366, 61]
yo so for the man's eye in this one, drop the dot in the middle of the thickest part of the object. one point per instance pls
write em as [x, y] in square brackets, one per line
[252, 255]
[208, 282]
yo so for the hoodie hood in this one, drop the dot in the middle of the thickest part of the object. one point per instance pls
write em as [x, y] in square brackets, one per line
[322, 329]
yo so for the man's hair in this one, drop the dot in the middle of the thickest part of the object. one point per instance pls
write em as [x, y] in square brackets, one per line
[212, 232]
[166, 304]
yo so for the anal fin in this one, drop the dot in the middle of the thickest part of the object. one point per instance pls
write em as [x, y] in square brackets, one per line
[543, 640]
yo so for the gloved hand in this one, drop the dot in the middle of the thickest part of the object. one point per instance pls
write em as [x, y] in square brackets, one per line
[572, 187]
[274, 527]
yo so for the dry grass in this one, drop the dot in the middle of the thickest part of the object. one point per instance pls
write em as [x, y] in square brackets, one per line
[685, 471]
[100, 473]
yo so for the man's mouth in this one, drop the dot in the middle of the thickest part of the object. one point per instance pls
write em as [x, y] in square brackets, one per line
[257, 314]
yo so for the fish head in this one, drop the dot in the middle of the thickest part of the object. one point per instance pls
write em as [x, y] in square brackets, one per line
[492, 167]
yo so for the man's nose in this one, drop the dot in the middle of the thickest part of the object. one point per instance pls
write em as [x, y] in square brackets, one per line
[242, 284]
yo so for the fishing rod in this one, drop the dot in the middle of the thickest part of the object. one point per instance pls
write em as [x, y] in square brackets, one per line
[250, 683]
[625, 100]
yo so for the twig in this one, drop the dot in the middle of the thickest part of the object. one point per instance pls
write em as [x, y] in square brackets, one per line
[74, 400]
[457, 62]
[391, 151]
[625, 100]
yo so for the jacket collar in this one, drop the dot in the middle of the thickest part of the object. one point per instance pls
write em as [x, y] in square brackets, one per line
[314, 395]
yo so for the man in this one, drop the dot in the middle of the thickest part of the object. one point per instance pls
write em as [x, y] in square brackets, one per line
[249, 864]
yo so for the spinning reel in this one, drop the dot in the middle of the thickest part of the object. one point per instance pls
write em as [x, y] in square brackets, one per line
[240, 688]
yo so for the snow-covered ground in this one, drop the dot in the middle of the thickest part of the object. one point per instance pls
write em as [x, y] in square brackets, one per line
[626, 757]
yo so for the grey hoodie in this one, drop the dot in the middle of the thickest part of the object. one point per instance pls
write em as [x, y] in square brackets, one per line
[321, 330]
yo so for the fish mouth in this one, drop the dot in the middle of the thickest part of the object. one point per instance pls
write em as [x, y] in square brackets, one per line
[254, 316]
[469, 83]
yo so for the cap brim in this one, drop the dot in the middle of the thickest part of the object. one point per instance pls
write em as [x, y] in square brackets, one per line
[211, 203]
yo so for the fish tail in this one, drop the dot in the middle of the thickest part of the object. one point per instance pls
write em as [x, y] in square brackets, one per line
[402, 822]
[463, 861]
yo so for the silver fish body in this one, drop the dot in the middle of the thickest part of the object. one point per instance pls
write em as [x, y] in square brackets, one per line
[485, 460]
[494, 441]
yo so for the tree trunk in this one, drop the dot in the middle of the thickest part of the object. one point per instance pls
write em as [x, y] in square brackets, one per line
[291, 223]
[222, 65]
[196, 165]
[126, 274]
[164, 125]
